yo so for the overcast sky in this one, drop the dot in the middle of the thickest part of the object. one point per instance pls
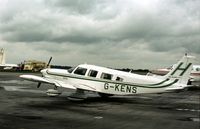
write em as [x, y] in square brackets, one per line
[113, 33]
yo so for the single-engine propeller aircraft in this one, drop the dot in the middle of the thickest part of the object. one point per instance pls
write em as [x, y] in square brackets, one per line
[107, 82]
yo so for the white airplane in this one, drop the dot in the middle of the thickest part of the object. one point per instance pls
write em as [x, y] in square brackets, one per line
[108, 82]
[3, 64]
[194, 75]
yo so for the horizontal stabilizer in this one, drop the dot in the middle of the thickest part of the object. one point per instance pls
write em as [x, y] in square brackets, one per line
[173, 89]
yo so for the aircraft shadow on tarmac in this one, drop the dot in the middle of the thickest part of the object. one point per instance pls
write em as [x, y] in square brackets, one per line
[60, 103]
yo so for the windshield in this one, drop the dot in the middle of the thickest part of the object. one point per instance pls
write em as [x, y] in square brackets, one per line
[80, 71]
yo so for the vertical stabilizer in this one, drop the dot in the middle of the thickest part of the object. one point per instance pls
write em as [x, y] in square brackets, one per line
[182, 70]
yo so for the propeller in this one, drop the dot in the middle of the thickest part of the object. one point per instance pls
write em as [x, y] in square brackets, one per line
[49, 61]
[48, 64]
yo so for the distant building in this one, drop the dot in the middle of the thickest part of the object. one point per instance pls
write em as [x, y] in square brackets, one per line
[33, 65]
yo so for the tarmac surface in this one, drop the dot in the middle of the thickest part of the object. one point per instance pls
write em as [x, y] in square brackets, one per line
[23, 106]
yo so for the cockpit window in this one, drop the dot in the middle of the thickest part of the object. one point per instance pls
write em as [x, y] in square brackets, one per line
[92, 73]
[71, 69]
[80, 71]
[106, 76]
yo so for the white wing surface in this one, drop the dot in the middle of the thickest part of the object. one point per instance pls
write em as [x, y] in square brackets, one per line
[57, 83]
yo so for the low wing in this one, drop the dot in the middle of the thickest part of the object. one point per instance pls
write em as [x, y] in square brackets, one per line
[56, 82]
[34, 78]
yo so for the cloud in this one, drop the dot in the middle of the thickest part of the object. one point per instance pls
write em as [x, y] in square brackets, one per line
[96, 30]
[73, 6]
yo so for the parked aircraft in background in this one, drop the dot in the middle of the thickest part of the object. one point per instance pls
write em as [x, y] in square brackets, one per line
[194, 75]
[108, 82]
[3, 64]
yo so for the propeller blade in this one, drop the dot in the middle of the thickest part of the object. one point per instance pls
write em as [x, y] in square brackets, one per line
[49, 62]
[39, 84]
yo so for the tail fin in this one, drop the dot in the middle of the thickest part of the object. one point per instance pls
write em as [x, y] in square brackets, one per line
[181, 70]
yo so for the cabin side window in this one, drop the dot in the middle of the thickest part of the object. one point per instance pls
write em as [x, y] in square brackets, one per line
[80, 71]
[92, 73]
[119, 79]
[106, 76]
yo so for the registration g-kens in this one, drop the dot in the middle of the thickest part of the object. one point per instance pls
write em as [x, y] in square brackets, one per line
[120, 87]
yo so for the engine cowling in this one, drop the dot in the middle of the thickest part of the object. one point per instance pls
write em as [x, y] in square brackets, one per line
[53, 92]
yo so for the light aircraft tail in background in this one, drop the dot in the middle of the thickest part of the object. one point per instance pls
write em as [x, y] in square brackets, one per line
[3, 64]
